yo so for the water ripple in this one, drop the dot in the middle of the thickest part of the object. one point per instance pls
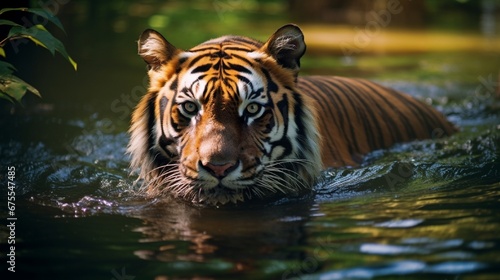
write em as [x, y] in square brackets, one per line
[406, 267]
[407, 223]
[385, 249]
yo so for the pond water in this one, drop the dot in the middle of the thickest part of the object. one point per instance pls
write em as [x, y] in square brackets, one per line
[426, 209]
[422, 208]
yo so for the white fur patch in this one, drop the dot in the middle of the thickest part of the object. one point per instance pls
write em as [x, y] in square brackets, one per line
[256, 54]
[186, 55]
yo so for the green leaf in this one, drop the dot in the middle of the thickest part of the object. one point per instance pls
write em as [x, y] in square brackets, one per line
[37, 11]
[2, 52]
[14, 88]
[6, 68]
[21, 31]
[12, 9]
[40, 36]
[48, 15]
[8, 22]
[4, 96]
[73, 63]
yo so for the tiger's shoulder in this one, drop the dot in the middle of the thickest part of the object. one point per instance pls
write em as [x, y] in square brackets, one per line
[356, 116]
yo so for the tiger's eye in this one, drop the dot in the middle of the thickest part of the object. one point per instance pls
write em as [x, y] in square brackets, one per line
[190, 107]
[253, 108]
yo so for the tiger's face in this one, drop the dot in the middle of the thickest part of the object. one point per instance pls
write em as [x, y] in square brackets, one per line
[223, 122]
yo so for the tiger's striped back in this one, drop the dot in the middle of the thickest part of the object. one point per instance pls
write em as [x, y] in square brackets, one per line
[358, 116]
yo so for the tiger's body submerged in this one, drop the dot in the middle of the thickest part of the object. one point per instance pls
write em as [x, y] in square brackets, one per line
[230, 120]
[359, 116]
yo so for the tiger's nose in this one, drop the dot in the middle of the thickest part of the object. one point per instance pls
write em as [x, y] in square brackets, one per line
[219, 170]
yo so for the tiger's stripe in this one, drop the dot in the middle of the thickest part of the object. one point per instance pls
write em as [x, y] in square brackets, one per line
[359, 116]
[231, 119]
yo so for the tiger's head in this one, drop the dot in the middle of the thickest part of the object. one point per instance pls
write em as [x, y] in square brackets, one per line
[223, 121]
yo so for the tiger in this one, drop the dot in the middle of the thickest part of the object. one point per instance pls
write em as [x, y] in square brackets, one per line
[231, 121]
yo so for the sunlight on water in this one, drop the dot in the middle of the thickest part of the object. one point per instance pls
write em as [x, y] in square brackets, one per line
[401, 268]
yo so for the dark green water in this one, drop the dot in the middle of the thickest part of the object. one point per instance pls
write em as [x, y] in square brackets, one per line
[427, 209]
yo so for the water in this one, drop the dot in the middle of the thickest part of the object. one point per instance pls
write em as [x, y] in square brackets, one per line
[421, 209]
[426, 209]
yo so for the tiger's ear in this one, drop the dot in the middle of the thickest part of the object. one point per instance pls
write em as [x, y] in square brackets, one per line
[287, 46]
[155, 49]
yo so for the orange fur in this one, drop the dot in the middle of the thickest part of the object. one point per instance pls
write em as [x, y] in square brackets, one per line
[230, 119]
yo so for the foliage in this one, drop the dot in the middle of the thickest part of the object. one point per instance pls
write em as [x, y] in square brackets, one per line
[13, 88]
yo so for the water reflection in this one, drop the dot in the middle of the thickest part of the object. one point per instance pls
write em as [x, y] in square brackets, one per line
[237, 234]
[488, 22]
[426, 209]
[405, 267]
